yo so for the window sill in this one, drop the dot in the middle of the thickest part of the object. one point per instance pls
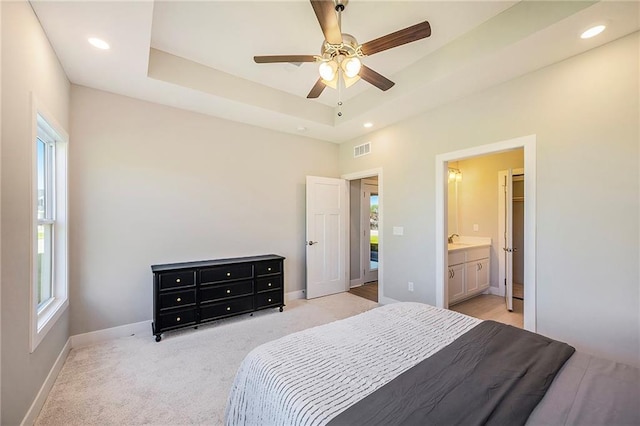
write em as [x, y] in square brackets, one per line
[47, 319]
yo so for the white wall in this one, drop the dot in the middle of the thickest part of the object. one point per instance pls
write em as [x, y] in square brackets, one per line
[585, 113]
[29, 64]
[151, 184]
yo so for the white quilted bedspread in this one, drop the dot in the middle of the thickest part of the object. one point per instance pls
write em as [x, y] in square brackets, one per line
[309, 377]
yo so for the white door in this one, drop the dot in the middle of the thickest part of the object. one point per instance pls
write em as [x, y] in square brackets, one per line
[508, 239]
[369, 232]
[327, 215]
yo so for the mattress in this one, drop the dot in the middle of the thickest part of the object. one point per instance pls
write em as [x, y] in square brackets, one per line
[310, 377]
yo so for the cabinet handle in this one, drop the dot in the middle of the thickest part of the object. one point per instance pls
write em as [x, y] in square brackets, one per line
[178, 319]
[228, 291]
[228, 308]
[179, 299]
[269, 300]
[453, 273]
[228, 274]
[178, 280]
[268, 269]
[269, 285]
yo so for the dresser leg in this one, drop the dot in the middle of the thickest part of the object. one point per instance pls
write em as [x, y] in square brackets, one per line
[281, 308]
[158, 337]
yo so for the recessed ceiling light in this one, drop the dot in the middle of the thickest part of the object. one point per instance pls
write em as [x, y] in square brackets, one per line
[99, 43]
[368, 124]
[593, 31]
[301, 129]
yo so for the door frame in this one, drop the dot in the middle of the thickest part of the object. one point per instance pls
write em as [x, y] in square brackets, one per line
[442, 161]
[363, 175]
[365, 245]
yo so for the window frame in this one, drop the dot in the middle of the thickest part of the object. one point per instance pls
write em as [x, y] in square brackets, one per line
[45, 316]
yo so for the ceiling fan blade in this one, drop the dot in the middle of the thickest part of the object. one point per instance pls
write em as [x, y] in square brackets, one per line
[317, 89]
[378, 80]
[326, 14]
[404, 36]
[283, 58]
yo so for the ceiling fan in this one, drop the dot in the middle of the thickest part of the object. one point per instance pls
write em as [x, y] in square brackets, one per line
[340, 54]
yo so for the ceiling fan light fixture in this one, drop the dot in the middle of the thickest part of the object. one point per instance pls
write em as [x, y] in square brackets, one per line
[351, 66]
[328, 69]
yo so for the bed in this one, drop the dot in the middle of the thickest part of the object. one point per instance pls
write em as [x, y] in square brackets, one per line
[411, 363]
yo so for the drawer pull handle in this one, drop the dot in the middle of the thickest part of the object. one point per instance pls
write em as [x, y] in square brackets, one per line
[268, 269]
[179, 299]
[228, 274]
[269, 285]
[178, 319]
[178, 280]
[228, 291]
[228, 308]
[269, 300]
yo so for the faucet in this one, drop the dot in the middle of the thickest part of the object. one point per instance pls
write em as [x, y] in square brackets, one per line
[450, 239]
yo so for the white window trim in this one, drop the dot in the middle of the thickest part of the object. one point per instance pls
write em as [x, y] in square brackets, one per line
[42, 322]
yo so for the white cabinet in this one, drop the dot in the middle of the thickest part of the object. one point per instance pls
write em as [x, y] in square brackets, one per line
[456, 282]
[469, 272]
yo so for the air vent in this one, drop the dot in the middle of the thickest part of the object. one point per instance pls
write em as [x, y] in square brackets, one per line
[360, 150]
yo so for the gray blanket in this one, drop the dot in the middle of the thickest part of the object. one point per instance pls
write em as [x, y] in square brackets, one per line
[492, 374]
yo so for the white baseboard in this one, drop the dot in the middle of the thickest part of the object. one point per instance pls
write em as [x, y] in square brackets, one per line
[383, 300]
[90, 338]
[293, 295]
[496, 291]
[43, 393]
[356, 283]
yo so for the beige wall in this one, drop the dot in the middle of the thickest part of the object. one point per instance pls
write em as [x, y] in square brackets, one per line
[151, 184]
[478, 199]
[585, 114]
[355, 219]
[29, 65]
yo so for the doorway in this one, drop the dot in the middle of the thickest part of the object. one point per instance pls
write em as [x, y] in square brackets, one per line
[365, 234]
[528, 143]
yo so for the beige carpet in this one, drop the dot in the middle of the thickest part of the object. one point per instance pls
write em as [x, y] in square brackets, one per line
[182, 380]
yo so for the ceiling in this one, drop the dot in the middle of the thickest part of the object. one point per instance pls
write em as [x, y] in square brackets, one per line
[198, 55]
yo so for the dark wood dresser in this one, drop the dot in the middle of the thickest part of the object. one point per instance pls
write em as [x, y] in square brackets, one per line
[191, 293]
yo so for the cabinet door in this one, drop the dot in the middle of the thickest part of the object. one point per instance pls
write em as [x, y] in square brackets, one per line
[456, 283]
[472, 270]
[483, 275]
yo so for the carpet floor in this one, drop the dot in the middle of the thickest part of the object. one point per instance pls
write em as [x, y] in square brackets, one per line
[184, 379]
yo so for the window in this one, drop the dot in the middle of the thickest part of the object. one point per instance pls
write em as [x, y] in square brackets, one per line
[50, 285]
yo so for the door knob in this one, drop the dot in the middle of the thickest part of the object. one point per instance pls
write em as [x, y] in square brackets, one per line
[506, 249]
[312, 243]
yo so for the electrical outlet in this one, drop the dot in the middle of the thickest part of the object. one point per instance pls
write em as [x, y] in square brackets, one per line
[410, 286]
[476, 228]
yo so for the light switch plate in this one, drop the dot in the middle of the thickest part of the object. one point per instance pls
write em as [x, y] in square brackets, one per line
[476, 228]
[398, 230]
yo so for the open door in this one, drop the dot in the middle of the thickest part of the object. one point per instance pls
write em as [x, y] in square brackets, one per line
[326, 244]
[508, 239]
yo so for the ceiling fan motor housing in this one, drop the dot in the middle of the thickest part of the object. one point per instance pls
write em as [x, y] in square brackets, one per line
[348, 48]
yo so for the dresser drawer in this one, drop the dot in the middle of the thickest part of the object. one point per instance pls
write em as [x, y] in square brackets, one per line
[226, 273]
[176, 319]
[210, 293]
[268, 298]
[268, 283]
[229, 307]
[269, 267]
[177, 279]
[177, 299]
